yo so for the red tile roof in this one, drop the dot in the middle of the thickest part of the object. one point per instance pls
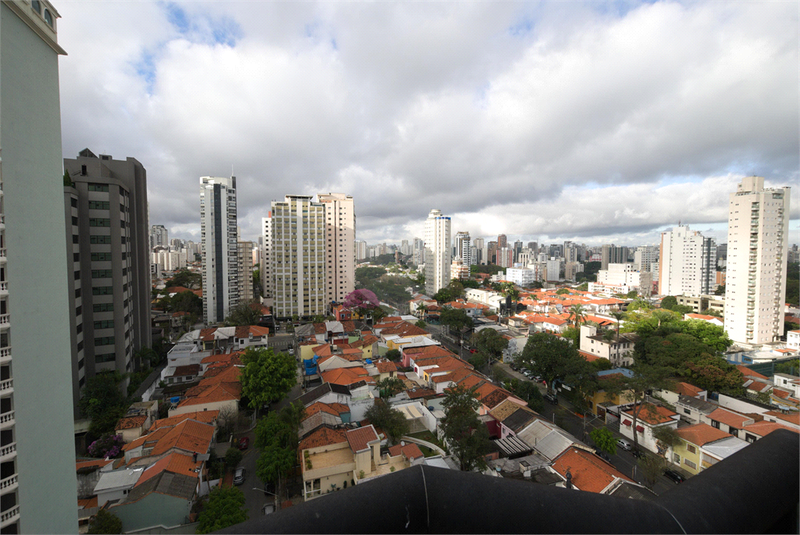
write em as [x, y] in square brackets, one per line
[421, 393]
[589, 472]
[686, 389]
[653, 414]
[386, 366]
[244, 331]
[131, 422]
[324, 436]
[409, 451]
[345, 376]
[764, 428]
[588, 356]
[206, 417]
[188, 435]
[701, 434]
[360, 439]
[336, 409]
[728, 417]
[96, 463]
[793, 417]
[747, 372]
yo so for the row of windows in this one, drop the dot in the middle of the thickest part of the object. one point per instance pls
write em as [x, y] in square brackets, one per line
[104, 341]
[102, 290]
[97, 187]
[99, 222]
[103, 307]
[107, 357]
[99, 239]
[98, 257]
[104, 324]
[102, 274]
[99, 205]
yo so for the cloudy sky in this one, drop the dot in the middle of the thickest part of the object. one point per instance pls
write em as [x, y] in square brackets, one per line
[596, 122]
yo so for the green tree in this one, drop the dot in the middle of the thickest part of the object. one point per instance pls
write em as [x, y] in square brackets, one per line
[103, 403]
[509, 289]
[651, 466]
[604, 440]
[577, 314]
[584, 287]
[465, 434]
[392, 421]
[421, 324]
[549, 356]
[225, 507]
[233, 456]
[669, 302]
[393, 355]
[187, 279]
[267, 376]
[242, 315]
[490, 343]
[562, 291]
[529, 392]
[444, 295]
[276, 436]
[456, 288]
[711, 335]
[666, 438]
[390, 387]
[105, 522]
[456, 319]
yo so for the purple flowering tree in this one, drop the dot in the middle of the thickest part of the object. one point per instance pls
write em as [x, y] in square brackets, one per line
[107, 446]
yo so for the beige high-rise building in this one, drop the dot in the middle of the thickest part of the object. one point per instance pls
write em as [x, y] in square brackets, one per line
[340, 248]
[438, 253]
[687, 263]
[245, 257]
[758, 245]
[298, 257]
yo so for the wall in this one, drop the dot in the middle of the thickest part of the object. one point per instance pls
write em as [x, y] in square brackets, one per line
[739, 405]
[152, 510]
[214, 406]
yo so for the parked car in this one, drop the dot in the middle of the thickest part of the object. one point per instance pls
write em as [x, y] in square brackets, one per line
[638, 454]
[244, 443]
[624, 444]
[291, 351]
[239, 476]
[514, 366]
[676, 477]
[552, 398]
[603, 455]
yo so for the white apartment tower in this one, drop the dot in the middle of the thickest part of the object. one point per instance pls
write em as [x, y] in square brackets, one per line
[266, 256]
[687, 263]
[298, 257]
[758, 245]
[463, 250]
[340, 239]
[245, 269]
[37, 463]
[438, 255]
[159, 236]
[219, 249]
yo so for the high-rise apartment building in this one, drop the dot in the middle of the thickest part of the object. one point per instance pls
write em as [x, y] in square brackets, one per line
[37, 463]
[266, 257]
[159, 236]
[244, 252]
[438, 255]
[219, 251]
[505, 257]
[298, 257]
[611, 254]
[480, 249]
[108, 247]
[491, 252]
[686, 263]
[418, 253]
[340, 240]
[645, 256]
[758, 244]
[502, 241]
[463, 248]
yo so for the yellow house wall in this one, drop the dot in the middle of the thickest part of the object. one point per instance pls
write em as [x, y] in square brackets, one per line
[684, 453]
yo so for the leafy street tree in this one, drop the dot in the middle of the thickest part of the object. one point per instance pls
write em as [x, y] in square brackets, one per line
[456, 288]
[669, 302]
[604, 440]
[390, 387]
[103, 403]
[577, 314]
[509, 289]
[444, 295]
[244, 314]
[105, 522]
[465, 434]
[267, 376]
[362, 301]
[478, 361]
[651, 466]
[456, 319]
[529, 392]
[666, 438]
[490, 343]
[225, 507]
[233, 456]
[421, 324]
[393, 355]
[187, 279]
[550, 357]
[392, 421]
[277, 438]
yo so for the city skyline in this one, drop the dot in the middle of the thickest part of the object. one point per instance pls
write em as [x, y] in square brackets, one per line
[511, 118]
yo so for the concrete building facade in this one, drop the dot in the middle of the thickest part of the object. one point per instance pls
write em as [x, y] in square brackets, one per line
[219, 251]
[108, 247]
[340, 239]
[438, 255]
[245, 258]
[159, 236]
[37, 463]
[758, 245]
[463, 248]
[687, 263]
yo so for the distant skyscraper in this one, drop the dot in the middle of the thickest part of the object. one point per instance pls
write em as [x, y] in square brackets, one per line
[159, 236]
[502, 241]
[340, 253]
[463, 248]
[299, 257]
[686, 263]
[219, 247]
[758, 244]
[491, 252]
[244, 252]
[480, 246]
[37, 494]
[109, 247]
[437, 252]
[418, 255]
[266, 256]
[361, 250]
[611, 254]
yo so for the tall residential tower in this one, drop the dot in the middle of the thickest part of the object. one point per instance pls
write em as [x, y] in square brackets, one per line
[219, 247]
[758, 245]
[340, 239]
[687, 263]
[438, 255]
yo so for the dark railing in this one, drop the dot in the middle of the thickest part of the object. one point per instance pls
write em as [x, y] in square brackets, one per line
[753, 491]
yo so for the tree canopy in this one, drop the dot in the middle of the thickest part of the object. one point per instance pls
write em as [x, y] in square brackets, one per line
[225, 507]
[103, 403]
[604, 440]
[392, 421]
[489, 342]
[187, 279]
[456, 319]
[105, 522]
[277, 437]
[244, 314]
[465, 434]
[553, 358]
[267, 376]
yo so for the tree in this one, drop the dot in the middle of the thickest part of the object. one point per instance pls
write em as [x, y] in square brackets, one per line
[392, 421]
[550, 357]
[456, 288]
[103, 403]
[187, 279]
[421, 324]
[577, 313]
[466, 435]
[225, 507]
[277, 437]
[669, 302]
[444, 295]
[233, 456]
[712, 335]
[562, 291]
[390, 387]
[362, 301]
[490, 343]
[652, 466]
[242, 315]
[267, 376]
[666, 438]
[604, 440]
[456, 319]
[529, 392]
[105, 522]
[393, 355]
[508, 289]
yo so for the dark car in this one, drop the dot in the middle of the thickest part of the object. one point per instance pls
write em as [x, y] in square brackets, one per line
[637, 453]
[676, 477]
[552, 398]
[244, 443]
[514, 366]
[603, 455]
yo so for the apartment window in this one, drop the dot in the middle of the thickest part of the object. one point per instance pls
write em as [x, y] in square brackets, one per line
[77, 293]
[691, 449]
[77, 275]
[74, 202]
[80, 364]
[106, 357]
[104, 324]
[99, 205]
[79, 328]
[78, 311]
[99, 239]
[102, 290]
[103, 307]
[99, 222]
[102, 274]
[104, 341]
[690, 464]
[75, 238]
[97, 257]
[48, 17]
[80, 345]
[96, 187]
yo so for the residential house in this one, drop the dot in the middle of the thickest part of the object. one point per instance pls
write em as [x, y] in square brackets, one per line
[713, 320]
[114, 486]
[188, 437]
[651, 417]
[619, 351]
[386, 369]
[790, 383]
[323, 414]
[728, 421]
[702, 446]
[671, 395]
[586, 471]
[758, 430]
[137, 420]
[693, 410]
[219, 389]
[789, 419]
[605, 402]
[183, 374]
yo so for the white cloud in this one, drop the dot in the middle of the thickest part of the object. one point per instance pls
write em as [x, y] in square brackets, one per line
[550, 120]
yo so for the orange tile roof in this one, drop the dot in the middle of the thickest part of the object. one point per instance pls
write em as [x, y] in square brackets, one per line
[360, 439]
[793, 417]
[494, 398]
[230, 358]
[729, 417]
[764, 428]
[455, 375]
[421, 393]
[88, 503]
[345, 376]
[686, 389]
[244, 331]
[701, 434]
[176, 463]
[471, 381]
[589, 472]
[206, 417]
[324, 436]
[747, 372]
[188, 435]
[409, 451]
[130, 422]
[588, 356]
[336, 409]
[655, 415]
[386, 366]
[96, 463]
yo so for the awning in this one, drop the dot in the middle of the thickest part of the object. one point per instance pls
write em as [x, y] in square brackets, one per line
[639, 429]
[626, 422]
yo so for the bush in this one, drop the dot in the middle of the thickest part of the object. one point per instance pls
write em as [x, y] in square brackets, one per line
[106, 446]
[233, 457]
[105, 522]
